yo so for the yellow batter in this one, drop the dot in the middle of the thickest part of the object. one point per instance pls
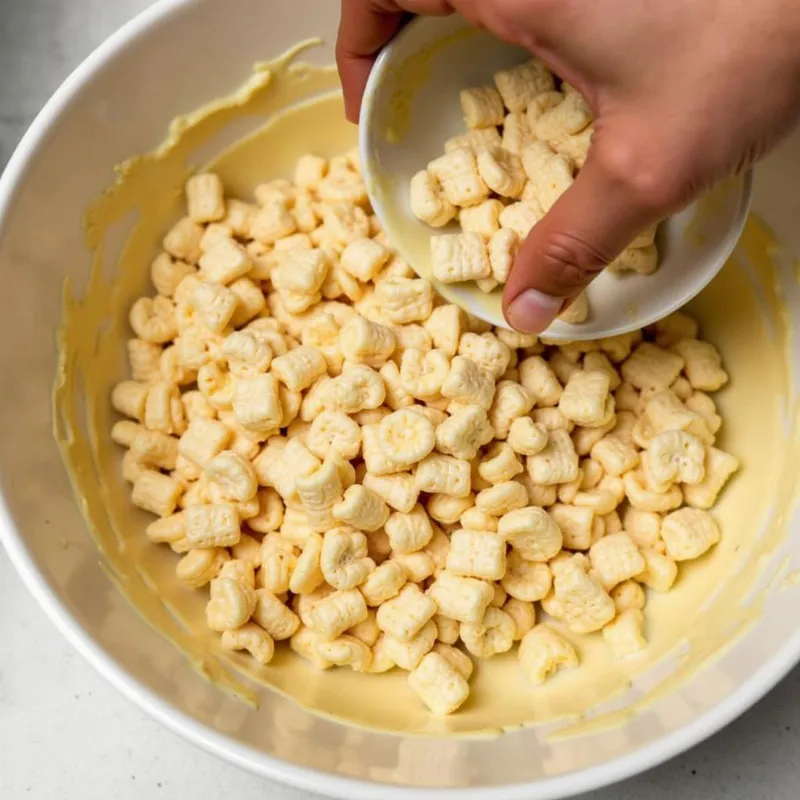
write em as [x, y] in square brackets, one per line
[714, 600]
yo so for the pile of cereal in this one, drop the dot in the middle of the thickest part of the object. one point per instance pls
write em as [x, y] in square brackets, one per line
[497, 185]
[352, 465]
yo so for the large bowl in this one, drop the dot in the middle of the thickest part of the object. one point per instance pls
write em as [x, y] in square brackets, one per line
[171, 60]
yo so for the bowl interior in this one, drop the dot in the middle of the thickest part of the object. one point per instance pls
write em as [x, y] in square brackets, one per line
[188, 54]
[411, 107]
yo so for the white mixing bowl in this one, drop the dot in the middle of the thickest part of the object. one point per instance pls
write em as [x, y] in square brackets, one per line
[173, 59]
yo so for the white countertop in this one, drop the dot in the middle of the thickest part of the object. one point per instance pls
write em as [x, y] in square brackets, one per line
[65, 733]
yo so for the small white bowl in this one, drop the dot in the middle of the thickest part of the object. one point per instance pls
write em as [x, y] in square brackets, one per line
[411, 107]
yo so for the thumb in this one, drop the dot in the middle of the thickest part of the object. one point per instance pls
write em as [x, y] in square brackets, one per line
[616, 195]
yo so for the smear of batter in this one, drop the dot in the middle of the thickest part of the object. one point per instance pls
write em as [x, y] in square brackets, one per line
[716, 598]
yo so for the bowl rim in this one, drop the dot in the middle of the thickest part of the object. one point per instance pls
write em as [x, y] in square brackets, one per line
[222, 746]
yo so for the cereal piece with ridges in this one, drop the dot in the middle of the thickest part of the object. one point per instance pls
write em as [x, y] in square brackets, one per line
[155, 449]
[230, 606]
[521, 217]
[464, 432]
[384, 583]
[232, 475]
[523, 614]
[404, 300]
[538, 378]
[448, 630]
[272, 221]
[651, 367]
[155, 492]
[409, 532]
[364, 259]
[503, 248]
[585, 605]
[200, 565]
[502, 171]
[520, 85]
[406, 437]
[576, 525]
[256, 403]
[550, 173]
[532, 532]
[624, 634]
[477, 554]
[319, 491]
[675, 457]
[459, 257]
[660, 573]
[225, 262]
[483, 219]
[461, 598]
[419, 566]
[408, 655]
[526, 580]
[344, 559]
[487, 351]
[719, 466]
[439, 684]
[511, 402]
[250, 637]
[500, 464]
[423, 373]
[443, 474]
[543, 652]
[689, 533]
[333, 615]
[556, 463]
[445, 325]
[361, 508]
[404, 616]
[527, 437]
[307, 576]
[482, 107]
[645, 499]
[396, 395]
[586, 399]
[153, 319]
[144, 359]
[703, 364]
[468, 383]
[615, 455]
[615, 559]
[474, 140]
[639, 260]
[492, 635]
[428, 201]
[501, 498]
[566, 118]
[182, 241]
[365, 342]
[457, 173]
[398, 490]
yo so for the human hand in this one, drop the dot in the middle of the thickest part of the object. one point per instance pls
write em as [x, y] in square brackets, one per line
[685, 94]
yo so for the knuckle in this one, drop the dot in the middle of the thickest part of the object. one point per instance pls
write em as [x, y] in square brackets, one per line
[647, 177]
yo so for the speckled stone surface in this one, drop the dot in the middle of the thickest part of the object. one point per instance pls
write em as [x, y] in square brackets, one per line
[61, 723]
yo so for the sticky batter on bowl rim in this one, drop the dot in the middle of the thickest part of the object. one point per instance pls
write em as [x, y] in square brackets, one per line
[147, 577]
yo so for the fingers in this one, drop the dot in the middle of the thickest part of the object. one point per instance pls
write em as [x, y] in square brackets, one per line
[617, 194]
[365, 27]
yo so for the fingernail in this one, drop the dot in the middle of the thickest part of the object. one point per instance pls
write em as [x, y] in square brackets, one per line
[532, 311]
